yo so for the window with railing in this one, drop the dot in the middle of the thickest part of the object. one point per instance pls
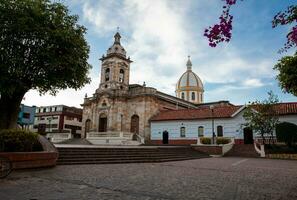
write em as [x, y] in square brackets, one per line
[182, 131]
[220, 131]
[200, 131]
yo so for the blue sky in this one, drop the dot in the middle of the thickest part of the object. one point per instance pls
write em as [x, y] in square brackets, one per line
[159, 35]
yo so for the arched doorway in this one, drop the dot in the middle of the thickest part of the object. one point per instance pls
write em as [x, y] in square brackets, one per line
[248, 135]
[103, 123]
[134, 124]
[165, 137]
[87, 126]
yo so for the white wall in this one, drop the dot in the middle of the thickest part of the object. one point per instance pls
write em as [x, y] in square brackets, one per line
[232, 127]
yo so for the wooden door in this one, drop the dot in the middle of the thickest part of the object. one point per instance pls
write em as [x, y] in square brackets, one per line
[135, 124]
[165, 137]
[103, 124]
[248, 136]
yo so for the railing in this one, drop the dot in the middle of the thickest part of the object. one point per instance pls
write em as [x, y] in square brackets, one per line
[100, 135]
[228, 147]
[267, 139]
[140, 138]
[58, 137]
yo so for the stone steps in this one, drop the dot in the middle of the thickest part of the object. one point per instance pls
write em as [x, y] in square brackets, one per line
[125, 155]
[243, 150]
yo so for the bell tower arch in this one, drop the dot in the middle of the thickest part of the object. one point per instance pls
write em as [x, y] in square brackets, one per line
[115, 67]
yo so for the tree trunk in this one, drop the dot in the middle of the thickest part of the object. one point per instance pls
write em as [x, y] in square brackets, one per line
[9, 109]
[263, 138]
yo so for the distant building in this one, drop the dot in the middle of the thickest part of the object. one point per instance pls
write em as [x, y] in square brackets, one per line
[58, 119]
[26, 116]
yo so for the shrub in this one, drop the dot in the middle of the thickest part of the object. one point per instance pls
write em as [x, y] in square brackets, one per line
[221, 140]
[286, 132]
[19, 141]
[205, 140]
[280, 149]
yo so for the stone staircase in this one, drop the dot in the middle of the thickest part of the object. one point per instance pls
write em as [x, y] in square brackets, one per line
[79, 141]
[104, 155]
[243, 150]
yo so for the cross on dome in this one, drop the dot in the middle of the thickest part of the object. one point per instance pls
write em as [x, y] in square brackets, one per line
[189, 63]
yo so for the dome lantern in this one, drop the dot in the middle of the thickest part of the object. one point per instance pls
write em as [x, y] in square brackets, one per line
[189, 63]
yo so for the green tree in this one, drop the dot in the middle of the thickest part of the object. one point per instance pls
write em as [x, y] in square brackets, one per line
[286, 132]
[41, 47]
[287, 77]
[262, 116]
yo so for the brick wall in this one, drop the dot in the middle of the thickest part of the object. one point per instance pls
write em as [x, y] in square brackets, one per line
[211, 150]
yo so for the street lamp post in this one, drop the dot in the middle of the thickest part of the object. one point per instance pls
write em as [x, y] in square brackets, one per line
[49, 120]
[212, 120]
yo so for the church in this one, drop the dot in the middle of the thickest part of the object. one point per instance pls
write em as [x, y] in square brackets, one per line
[118, 106]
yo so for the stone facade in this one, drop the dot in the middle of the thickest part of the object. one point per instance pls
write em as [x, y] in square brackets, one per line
[118, 106]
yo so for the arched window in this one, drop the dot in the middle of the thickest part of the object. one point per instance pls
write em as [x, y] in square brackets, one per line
[220, 131]
[200, 131]
[121, 77]
[182, 132]
[183, 95]
[104, 104]
[193, 96]
[107, 72]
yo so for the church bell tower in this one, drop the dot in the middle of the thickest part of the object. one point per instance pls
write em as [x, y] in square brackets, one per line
[115, 67]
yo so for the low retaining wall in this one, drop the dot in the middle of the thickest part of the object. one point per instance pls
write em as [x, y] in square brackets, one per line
[24, 160]
[174, 142]
[209, 149]
[282, 156]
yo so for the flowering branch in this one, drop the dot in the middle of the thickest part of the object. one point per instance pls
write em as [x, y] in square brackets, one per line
[221, 32]
[287, 17]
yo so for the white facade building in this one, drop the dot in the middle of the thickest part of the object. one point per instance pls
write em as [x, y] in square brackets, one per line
[185, 126]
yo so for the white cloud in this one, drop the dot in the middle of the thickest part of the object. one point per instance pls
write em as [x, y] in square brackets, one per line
[253, 83]
[68, 97]
[158, 36]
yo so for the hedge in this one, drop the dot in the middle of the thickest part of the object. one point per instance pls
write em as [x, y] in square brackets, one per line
[205, 140]
[15, 140]
[221, 140]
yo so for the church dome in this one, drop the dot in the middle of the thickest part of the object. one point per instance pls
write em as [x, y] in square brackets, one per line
[190, 86]
[117, 48]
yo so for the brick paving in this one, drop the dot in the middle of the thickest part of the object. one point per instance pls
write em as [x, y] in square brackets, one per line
[209, 178]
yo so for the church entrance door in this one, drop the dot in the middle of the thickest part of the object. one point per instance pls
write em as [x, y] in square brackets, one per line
[248, 135]
[165, 137]
[103, 123]
[135, 124]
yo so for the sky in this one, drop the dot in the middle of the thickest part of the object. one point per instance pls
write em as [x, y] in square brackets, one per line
[158, 35]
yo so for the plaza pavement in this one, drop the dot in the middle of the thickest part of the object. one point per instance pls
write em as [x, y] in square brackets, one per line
[209, 178]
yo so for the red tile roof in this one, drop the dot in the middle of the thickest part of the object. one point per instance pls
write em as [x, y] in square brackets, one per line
[286, 108]
[218, 112]
[199, 113]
